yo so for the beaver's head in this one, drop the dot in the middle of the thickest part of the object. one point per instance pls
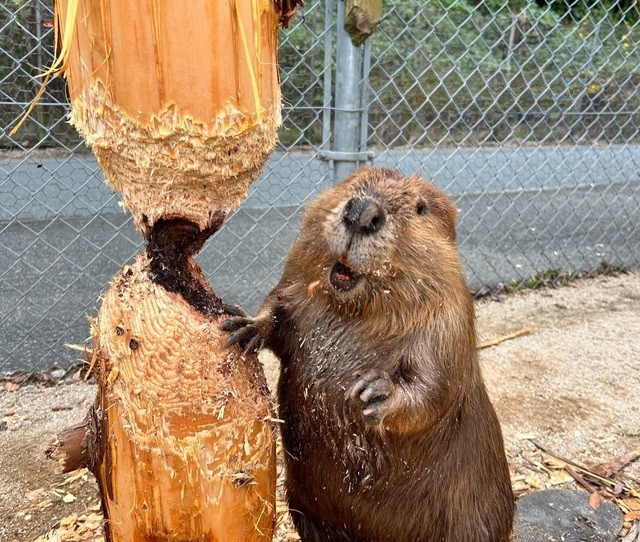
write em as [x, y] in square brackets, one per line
[378, 235]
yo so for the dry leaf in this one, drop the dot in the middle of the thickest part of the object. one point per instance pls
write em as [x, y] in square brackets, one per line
[93, 521]
[95, 507]
[631, 504]
[595, 500]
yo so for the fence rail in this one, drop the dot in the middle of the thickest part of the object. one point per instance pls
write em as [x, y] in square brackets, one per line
[526, 113]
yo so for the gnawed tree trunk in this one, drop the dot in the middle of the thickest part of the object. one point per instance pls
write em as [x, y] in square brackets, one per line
[180, 103]
[178, 100]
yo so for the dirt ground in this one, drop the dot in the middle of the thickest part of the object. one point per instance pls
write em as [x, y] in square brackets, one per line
[571, 386]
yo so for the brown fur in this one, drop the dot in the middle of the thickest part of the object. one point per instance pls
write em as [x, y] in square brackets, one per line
[388, 430]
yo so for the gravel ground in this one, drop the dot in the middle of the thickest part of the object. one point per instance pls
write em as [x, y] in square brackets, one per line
[572, 386]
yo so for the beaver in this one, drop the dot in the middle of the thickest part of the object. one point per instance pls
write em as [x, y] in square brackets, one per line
[389, 434]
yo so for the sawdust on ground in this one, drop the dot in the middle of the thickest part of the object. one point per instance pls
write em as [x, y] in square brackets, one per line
[572, 386]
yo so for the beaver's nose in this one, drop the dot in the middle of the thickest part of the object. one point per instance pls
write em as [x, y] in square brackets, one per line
[363, 215]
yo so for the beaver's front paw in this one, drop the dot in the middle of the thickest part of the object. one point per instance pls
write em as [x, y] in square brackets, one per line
[245, 332]
[373, 394]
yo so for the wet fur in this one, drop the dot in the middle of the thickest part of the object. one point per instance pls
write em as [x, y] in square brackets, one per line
[429, 463]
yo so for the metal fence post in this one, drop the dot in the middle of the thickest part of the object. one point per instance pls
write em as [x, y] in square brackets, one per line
[348, 152]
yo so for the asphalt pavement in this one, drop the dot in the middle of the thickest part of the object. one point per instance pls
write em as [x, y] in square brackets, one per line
[63, 235]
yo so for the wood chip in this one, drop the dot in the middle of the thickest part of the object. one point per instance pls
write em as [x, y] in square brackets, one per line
[113, 374]
[69, 498]
[311, 289]
[558, 477]
[75, 475]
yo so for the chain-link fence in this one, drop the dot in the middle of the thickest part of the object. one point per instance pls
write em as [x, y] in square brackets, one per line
[526, 113]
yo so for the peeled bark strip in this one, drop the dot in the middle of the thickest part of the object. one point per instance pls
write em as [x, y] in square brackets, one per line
[187, 451]
[70, 448]
[180, 101]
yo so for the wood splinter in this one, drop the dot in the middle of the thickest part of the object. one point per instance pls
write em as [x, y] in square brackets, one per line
[69, 449]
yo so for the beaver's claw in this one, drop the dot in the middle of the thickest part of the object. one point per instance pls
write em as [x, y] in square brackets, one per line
[234, 310]
[244, 332]
[372, 394]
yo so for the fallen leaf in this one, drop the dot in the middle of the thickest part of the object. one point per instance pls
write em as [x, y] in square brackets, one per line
[92, 521]
[595, 500]
[631, 504]
[11, 386]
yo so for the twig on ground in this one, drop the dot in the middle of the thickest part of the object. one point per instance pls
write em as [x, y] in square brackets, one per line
[508, 337]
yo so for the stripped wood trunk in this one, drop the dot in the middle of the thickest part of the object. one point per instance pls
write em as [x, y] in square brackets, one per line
[186, 449]
[180, 102]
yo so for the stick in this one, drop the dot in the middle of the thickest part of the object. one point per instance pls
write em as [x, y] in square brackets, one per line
[616, 487]
[498, 340]
[617, 464]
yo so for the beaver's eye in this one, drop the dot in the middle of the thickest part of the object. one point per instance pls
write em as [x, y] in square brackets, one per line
[421, 208]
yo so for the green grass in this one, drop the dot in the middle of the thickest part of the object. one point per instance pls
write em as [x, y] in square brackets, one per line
[552, 278]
